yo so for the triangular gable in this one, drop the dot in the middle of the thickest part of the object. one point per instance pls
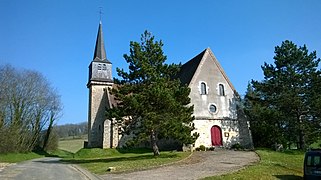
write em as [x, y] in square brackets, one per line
[221, 69]
[191, 68]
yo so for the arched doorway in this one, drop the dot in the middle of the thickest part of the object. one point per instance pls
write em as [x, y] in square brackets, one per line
[216, 136]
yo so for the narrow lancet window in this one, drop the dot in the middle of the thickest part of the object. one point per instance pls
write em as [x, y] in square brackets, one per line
[203, 88]
[221, 90]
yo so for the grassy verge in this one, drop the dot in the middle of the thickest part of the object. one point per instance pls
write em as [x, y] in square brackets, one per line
[66, 149]
[273, 165]
[99, 160]
[19, 157]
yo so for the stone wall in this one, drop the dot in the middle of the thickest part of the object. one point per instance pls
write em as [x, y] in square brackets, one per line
[230, 132]
[111, 137]
[245, 132]
[98, 102]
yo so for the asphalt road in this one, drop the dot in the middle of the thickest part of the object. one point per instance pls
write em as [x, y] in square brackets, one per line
[44, 169]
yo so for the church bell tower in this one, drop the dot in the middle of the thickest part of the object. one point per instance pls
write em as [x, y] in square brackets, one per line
[99, 82]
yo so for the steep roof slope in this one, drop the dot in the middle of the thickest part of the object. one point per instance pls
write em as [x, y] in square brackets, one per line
[188, 69]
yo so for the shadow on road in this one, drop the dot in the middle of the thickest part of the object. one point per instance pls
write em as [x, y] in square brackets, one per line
[49, 161]
[44, 153]
[118, 159]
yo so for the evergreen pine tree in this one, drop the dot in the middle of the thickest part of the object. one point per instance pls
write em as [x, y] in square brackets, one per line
[285, 103]
[151, 103]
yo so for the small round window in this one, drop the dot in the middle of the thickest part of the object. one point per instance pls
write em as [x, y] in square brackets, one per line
[212, 108]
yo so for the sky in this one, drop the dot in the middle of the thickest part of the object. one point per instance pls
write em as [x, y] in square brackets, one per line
[57, 38]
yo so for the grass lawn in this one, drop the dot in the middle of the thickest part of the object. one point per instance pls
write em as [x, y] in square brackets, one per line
[273, 165]
[99, 160]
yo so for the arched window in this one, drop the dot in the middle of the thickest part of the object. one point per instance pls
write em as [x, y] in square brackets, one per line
[99, 66]
[221, 90]
[104, 67]
[203, 88]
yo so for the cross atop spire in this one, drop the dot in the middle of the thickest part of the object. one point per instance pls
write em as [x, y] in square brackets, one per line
[100, 52]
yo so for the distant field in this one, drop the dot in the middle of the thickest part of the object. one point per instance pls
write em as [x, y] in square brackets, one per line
[71, 145]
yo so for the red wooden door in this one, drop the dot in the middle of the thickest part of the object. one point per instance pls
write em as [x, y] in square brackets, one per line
[216, 135]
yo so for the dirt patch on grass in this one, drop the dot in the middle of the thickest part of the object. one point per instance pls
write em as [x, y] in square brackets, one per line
[196, 157]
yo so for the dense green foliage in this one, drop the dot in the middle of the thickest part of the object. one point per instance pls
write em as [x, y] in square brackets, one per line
[29, 106]
[151, 104]
[273, 165]
[284, 108]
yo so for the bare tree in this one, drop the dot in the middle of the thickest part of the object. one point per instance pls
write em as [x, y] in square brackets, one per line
[28, 105]
[54, 113]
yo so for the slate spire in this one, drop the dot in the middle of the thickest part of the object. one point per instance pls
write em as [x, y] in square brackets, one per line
[100, 52]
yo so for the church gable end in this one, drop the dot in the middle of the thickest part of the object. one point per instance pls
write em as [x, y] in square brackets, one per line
[215, 101]
[210, 85]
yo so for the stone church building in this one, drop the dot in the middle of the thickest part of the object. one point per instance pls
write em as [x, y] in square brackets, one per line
[218, 118]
